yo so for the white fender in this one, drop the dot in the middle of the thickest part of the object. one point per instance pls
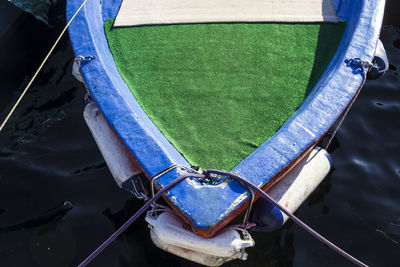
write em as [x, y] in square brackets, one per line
[169, 233]
[301, 181]
[76, 71]
[114, 153]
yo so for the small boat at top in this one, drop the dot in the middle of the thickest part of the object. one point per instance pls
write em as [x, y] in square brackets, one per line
[38, 8]
[9, 18]
[257, 88]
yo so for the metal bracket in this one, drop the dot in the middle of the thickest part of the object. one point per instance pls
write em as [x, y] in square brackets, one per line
[135, 186]
[247, 214]
[82, 60]
[161, 173]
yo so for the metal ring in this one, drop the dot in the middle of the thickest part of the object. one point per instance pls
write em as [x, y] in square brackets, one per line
[161, 173]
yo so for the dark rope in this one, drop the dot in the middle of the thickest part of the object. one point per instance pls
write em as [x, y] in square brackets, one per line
[208, 175]
[136, 215]
[291, 216]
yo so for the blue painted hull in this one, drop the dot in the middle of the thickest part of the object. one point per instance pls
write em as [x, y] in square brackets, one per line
[209, 208]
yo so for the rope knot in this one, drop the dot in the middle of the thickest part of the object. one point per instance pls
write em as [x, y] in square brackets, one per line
[212, 177]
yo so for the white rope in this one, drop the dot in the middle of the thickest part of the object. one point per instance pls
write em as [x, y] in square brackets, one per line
[41, 66]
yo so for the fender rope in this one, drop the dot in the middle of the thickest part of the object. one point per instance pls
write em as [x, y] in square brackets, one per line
[207, 175]
[41, 66]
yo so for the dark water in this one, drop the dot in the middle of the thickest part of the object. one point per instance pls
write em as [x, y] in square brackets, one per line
[47, 156]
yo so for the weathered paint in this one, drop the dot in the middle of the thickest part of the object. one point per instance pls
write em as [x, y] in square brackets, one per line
[333, 92]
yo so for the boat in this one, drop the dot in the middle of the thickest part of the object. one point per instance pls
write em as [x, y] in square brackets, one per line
[167, 97]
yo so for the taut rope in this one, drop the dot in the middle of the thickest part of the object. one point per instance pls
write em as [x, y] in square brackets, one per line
[207, 175]
[41, 66]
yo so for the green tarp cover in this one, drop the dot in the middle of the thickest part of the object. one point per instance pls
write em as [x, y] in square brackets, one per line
[218, 91]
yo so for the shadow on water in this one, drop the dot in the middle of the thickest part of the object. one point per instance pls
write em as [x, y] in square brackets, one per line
[392, 13]
[20, 55]
[45, 217]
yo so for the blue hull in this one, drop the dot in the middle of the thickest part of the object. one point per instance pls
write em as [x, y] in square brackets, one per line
[209, 208]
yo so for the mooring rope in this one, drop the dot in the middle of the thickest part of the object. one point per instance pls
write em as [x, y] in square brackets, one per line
[208, 175]
[136, 215]
[41, 66]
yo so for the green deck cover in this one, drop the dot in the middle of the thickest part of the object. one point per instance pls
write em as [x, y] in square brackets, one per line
[218, 91]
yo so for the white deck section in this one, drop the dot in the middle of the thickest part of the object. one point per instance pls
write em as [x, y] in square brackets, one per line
[145, 12]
